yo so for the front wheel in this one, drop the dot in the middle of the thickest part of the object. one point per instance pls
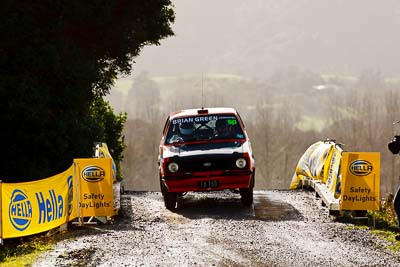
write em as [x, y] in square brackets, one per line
[169, 198]
[247, 193]
[247, 196]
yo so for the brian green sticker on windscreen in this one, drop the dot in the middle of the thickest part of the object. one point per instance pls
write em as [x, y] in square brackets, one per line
[361, 181]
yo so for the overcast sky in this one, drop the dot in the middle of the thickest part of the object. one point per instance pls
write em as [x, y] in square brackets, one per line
[255, 37]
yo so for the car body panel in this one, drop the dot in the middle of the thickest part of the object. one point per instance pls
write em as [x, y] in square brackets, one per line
[208, 162]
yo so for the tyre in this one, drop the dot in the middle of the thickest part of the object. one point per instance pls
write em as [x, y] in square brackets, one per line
[247, 196]
[247, 193]
[169, 198]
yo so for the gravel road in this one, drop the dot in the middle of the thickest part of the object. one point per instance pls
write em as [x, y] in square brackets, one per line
[283, 228]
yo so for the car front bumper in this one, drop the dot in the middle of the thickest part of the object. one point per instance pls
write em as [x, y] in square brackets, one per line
[208, 181]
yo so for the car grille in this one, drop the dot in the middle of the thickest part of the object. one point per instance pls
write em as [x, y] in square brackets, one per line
[200, 163]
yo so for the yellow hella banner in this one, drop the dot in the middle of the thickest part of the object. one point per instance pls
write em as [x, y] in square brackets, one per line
[95, 187]
[361, 181]
[321, 161]
[33, 207]
[332, 172]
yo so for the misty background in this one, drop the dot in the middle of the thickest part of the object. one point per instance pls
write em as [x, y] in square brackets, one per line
[297, 71]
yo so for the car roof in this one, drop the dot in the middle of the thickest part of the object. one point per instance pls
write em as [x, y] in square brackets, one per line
[201, 111]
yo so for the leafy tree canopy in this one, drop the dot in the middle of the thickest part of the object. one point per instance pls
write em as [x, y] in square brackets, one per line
[56, 58]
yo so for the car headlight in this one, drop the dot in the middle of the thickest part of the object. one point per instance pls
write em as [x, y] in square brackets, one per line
[241, 163]
[173, 167]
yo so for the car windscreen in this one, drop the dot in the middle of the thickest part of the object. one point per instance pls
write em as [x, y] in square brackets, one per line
[204, 127]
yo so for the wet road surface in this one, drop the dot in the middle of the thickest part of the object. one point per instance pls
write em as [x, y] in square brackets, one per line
[267, 207]
[283, 228]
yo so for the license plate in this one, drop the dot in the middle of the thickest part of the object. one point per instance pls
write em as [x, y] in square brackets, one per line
[208, 184]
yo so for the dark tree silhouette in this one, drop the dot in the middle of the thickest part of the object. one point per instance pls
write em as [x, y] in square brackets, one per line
[56, 58]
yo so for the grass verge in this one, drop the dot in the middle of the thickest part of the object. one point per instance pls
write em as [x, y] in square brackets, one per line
[24, 251]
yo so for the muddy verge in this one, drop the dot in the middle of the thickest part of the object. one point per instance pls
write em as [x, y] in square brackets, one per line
[282, 228]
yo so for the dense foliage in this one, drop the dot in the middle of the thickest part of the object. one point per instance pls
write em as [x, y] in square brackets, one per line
[56, 59]
[108, 129]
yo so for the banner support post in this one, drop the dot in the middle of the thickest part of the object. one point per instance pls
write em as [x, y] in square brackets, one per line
[374, 220]
[78, 197]
[1, 212]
